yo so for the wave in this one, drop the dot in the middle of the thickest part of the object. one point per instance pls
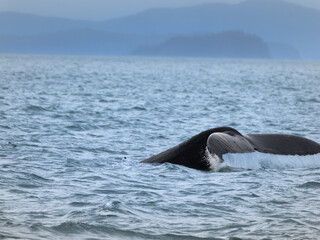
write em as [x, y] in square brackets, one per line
[37, 108]
[106, 231]
[313, 185]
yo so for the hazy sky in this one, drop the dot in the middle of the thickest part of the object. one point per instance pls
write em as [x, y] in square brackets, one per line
[106, 9]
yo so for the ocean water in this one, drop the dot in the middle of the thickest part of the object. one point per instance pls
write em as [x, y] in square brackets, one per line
[74, 129]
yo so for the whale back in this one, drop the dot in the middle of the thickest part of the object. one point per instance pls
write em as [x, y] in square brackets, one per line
[190, 153]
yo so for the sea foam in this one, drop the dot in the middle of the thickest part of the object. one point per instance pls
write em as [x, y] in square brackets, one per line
[257, 160]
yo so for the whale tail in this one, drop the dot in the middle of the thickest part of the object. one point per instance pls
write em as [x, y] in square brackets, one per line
[193, 153]
[190, 153]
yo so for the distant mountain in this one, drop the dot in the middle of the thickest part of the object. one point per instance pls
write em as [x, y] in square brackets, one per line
[94, 42]
[251, 15]
[222, 45]
[273, 20]
[12, 23]
[290, 26]
[74, 42]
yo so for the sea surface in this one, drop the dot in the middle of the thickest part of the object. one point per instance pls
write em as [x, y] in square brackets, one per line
[74, 129]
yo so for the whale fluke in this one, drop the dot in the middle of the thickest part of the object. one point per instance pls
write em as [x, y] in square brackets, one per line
[194, 152]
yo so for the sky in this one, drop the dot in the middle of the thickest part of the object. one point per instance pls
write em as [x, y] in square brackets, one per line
[107, 9]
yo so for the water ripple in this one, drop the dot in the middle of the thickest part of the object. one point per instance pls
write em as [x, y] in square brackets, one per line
[74, 129]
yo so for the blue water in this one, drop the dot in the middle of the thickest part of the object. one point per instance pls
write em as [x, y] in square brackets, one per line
[73, 130]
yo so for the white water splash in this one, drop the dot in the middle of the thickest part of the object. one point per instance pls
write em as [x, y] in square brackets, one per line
[214, 161]
[256, 160]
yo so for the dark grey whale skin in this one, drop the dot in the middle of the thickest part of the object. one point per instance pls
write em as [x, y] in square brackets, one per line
[222, 140]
